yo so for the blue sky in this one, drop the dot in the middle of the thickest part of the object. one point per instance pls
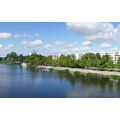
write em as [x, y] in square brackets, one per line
[58, 37]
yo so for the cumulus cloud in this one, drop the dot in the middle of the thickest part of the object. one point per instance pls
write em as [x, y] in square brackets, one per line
[87, 43]
[95, 31]
[5, 35]
[4, 50]
[59, 43]
[70, 45]
[63, 50]
[1, 46]
[105, 46]
[17, 36]
[26, 35]
[10, 46]
[65, 45]
[37, 35]
[35, 43]
[49, 47]
[82, 49]
[115, 49]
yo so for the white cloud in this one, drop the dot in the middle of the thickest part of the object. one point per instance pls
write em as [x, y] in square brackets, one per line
[25, 35]
[17, 36]
[49, 47]
[95, 31]
[25, 43]
[65, 45]
[115, 49]
[70, 45]
[87, 43]
[10, 46]
[35, 43]
[59, 43]
[4, 50]
[5, 35]
[64, 50]
[1, 46]
[105, 46]
[81, 49]
[37, 35]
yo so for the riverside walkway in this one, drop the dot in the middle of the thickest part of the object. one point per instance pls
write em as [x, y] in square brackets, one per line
[84, 71]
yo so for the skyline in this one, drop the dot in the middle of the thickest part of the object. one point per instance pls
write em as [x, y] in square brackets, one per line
[48, 38]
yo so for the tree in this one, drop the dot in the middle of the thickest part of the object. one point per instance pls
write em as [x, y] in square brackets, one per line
[11, 58]
[118, 63]
[105, 61]
[20, 58]
[89, 60]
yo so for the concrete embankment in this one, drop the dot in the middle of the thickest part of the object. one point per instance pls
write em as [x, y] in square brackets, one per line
[85, 71]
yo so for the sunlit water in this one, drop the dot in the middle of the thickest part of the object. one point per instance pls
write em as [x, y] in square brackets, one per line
[20, 82]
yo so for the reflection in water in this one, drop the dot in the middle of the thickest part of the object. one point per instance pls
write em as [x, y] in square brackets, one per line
[20, 82]
[90, 86]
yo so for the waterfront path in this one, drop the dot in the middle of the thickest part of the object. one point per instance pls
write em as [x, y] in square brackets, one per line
[85, 71]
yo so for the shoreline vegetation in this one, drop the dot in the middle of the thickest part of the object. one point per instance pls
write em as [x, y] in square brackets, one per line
[78, 71]
[89, 64]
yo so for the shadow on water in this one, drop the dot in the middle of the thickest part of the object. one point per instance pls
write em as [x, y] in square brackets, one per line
[87, 80]
[81, 85]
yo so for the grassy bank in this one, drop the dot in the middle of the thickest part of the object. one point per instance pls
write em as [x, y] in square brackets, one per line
[116, 77]
[64, 71]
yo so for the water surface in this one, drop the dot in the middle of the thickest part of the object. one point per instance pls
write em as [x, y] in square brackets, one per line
[17, 82]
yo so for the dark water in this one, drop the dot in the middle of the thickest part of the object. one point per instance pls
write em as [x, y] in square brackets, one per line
[18, 82]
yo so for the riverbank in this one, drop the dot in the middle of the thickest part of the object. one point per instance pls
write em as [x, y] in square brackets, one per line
[110, 74]
[84, 71]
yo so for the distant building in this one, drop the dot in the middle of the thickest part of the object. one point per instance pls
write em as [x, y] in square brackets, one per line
[114, 55]
[32, 52]
[78, 56]
[54, 57]
[58, 55]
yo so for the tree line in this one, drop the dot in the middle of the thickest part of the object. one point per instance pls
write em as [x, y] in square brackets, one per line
[86, 61]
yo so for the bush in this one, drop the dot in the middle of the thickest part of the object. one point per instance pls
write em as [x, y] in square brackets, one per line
[51, 69]
[114, 77]
[95, 74]
[65, 71]
[77, 73]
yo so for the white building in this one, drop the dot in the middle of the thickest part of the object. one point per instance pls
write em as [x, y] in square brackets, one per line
[78, 56]
[55, 56]
[32, 52]
[114, 55]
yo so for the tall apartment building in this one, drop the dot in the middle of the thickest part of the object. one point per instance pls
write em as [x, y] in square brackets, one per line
[114, 55]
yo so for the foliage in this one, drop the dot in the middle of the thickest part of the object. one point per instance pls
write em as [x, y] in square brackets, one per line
[11, 58]
[77, 73]
[88, 60]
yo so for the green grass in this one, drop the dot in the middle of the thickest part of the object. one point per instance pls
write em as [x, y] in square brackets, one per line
[51, 69]
[64, 71]
[77, 73]
[114, 77]
[90, 74]
[95, 74]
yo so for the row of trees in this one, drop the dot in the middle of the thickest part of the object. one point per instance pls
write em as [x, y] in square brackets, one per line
[87, 60]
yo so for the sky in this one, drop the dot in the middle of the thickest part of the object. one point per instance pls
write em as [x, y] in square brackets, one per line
[49, 38]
